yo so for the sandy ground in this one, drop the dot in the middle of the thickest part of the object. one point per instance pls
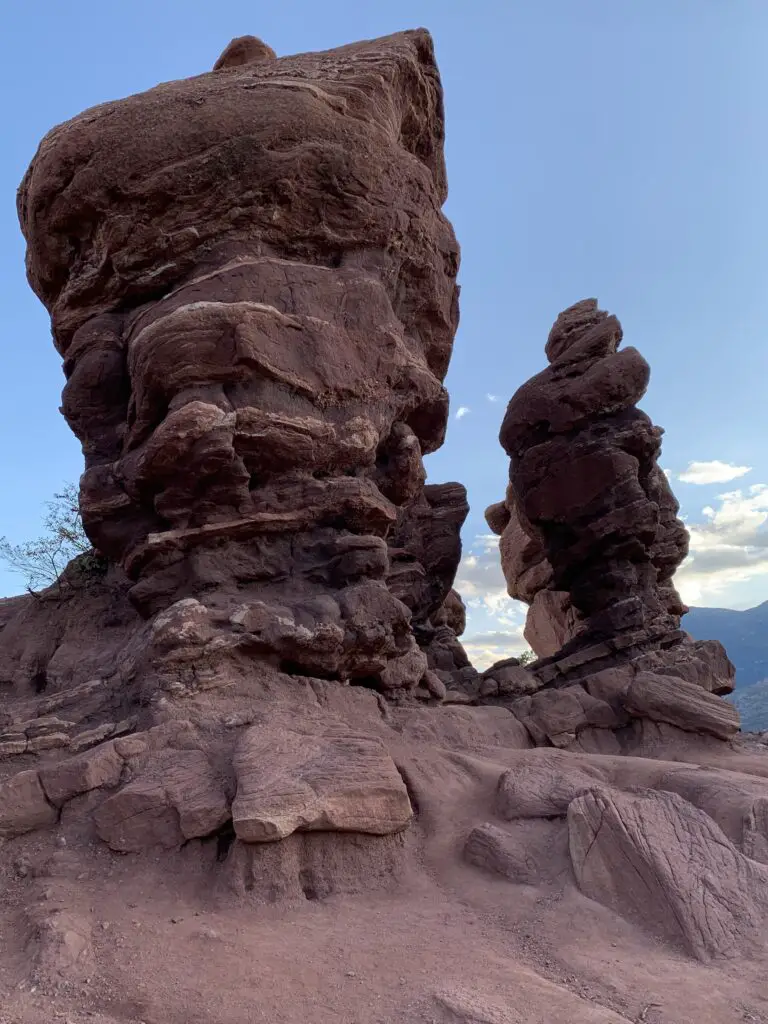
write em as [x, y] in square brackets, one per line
[87, 935]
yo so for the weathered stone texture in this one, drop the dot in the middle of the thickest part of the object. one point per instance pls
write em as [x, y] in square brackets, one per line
[253, 287]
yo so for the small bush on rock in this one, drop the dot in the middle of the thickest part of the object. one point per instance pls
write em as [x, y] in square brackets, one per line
[62, 556]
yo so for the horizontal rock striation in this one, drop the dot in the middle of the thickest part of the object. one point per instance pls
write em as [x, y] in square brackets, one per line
[589, 511]
[590, 540]
[253, 287]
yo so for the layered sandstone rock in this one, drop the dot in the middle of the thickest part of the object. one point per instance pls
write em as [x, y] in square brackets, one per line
[589, 512]
[425, 550]
[590, 540]
[253, 288]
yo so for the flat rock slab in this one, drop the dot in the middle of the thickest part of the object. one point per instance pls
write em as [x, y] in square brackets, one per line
[658, 860]
[530, 999]
[681, 703]
[289, 782]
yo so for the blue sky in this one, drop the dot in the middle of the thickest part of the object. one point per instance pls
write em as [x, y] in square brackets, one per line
[608, 148]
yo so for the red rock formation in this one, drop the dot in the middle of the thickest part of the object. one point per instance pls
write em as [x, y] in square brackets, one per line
[590, 540]
[253, 287]
[425, 550]
[585, 480]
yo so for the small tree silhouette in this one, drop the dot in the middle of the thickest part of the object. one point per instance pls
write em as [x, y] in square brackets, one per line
[43, 562]
[526, 657]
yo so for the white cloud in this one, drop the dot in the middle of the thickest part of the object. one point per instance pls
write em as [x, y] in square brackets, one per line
[714, 472]
[481, 583]
[728, 548]
[492, 398]
[484, 649]
[462, 411]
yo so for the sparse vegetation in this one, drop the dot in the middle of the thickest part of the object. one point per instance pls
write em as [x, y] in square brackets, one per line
[527, 657]
[62, 556]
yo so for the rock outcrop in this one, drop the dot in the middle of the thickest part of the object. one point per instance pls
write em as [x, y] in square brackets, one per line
[425, 550]
[253, 288]
[667, 846]
[590, 540]
[589, 510]
[655, 858]
[261, 696]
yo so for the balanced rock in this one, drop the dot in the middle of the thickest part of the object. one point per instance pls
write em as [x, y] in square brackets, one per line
[585, 482]
[590, 540]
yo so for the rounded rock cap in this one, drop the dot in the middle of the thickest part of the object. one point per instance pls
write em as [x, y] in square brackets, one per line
[585, 330]
[244, 50]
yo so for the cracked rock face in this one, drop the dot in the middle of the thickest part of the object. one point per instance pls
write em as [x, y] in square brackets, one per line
[659, 860]
[253, 287]
[425, 551]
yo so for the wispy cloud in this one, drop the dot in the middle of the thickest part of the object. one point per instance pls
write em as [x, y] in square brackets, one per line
[714, 472]
[492, 398]
[481, 583]
[729, 547]
[484, 649]
[462, 411]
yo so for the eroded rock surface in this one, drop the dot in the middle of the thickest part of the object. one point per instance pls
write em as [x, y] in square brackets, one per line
[425, 550]
[288, 782]
[590, 540]
[253, 288]
[263, 696]
[589, 512]
[656, 858]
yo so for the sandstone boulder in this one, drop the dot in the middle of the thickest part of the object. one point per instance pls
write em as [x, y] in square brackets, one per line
[558, 716]
[656, 859]
[178, 797]
[527, 856]
[544, 784]
[63, 780]
[684, 704]
[508, 680]
[288, 781]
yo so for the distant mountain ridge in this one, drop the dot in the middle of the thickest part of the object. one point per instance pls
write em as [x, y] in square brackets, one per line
[744, 634]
